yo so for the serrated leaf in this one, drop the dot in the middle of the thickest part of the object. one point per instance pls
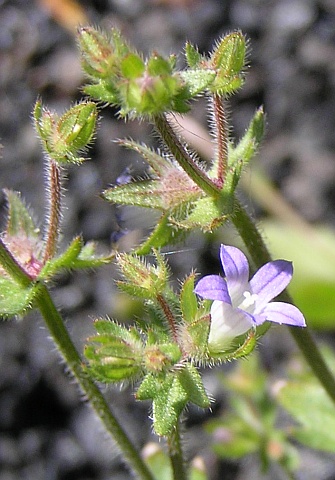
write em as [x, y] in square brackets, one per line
[14, 299]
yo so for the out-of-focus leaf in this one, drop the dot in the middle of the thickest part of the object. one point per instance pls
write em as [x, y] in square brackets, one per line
[313, 257]
[158, 462]
[309, 404]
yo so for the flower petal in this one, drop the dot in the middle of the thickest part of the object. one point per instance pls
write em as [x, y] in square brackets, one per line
[280, 312]
[213, 287]
[236, 269]
[226, 323]
[270, 280]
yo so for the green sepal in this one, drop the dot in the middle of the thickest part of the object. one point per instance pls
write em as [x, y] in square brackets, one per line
[103, 92]
[132, 66]
[115, 354]
[198, 80]
[249, 143]
[98, 58]
[157, 65]
[15, 299]
[193, 57]
[170, 394]
[75, 130]
[168, 400]
[240, 155]
[228, 59]
[196, 334]
[142, 280]
[240, 347]
[188, 300]
[19, 220]
[191, 381]
[77, 255]
[207, 213]
[45, 123]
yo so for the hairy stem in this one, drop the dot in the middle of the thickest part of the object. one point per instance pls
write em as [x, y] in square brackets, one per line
[221, 135]
[260, 255]
[169, 316]
[66, 347]
[176, 455]
[63, 341]
[54, 210]
[198, 175]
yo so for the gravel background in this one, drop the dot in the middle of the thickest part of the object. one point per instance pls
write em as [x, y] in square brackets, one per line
[46, 430]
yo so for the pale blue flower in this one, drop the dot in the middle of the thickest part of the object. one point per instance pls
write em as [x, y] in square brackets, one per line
[240, 304]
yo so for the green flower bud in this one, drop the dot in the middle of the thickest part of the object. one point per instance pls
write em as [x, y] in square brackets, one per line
[141, 279]
[98, 57]
[63, 138]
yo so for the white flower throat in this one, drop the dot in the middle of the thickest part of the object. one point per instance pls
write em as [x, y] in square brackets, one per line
[249, 301]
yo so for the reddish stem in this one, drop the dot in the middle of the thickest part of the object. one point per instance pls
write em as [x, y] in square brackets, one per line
[54, 213]
[221, 136]
[169, 315]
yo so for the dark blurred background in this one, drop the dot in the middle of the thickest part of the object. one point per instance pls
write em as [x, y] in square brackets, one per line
[46, 429]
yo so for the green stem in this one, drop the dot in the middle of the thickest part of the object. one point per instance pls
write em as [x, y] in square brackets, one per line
[260, 255]
[66, 347]
[185, 160]
[63, 341]
[176, 455]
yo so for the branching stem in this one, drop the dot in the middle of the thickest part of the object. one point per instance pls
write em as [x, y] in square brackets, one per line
[185, 160]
